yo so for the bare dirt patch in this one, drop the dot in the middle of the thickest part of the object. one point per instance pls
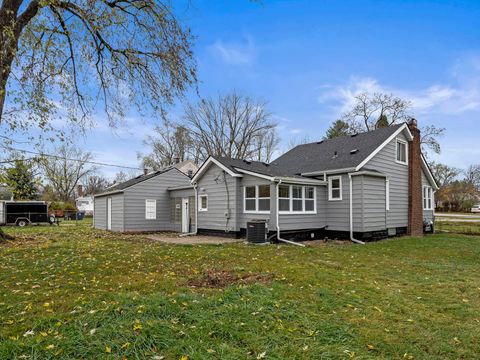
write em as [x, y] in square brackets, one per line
[221, 279]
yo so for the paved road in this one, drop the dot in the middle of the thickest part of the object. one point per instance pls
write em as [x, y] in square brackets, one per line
[474, 218]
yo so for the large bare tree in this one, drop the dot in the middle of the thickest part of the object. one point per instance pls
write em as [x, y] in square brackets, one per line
[64, 170]
[232, 125]
[374, 110]
[84, 55]
[172, 142]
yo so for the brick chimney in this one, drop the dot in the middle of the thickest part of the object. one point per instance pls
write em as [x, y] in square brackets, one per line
[415, 206]
[145, 171]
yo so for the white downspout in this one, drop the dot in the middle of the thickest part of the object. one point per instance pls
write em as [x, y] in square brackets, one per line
[278, 220]
[351, 211]
[196, 213]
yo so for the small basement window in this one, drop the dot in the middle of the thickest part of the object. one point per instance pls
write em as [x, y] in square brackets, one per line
[335, 188]
[203, 203]
[150, 209]
[402, 152]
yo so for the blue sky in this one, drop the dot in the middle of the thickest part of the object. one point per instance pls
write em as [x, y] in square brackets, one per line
[308, 59]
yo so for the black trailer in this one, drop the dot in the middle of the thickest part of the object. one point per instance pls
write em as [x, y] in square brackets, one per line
[23, 213]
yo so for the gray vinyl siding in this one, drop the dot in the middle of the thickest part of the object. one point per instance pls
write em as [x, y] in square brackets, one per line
[183, 193]
[214, 218]
[212, 184]
[385, 163]
[338, 211]
[374, 203]
[156, 189]
[307, 221]
[243, 218]
[427, 214]
[117, 212]
[100, 214]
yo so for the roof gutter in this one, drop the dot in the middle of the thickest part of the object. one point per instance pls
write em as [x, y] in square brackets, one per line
[108, 193]
[328, 172]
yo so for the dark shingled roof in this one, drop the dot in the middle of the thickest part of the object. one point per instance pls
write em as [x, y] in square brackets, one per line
[339, 153]
[138, 179]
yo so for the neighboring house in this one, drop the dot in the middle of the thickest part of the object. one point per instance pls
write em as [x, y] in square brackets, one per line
[142, 203]
[188, 167]
[86, 204]
[369, 185]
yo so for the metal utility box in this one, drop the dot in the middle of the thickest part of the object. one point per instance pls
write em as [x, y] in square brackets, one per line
[257, 231]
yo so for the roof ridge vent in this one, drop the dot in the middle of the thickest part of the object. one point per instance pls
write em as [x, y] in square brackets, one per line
[320, 142]
[335, 154]
[353, 135]
[247, 161]
[354, 151]
[266, 164]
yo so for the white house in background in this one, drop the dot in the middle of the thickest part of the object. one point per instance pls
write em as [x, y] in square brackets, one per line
[85, 203]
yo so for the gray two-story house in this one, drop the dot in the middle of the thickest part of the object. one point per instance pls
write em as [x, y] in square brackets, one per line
[369, 185]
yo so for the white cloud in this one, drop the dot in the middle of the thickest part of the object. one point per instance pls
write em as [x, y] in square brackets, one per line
[237, 54]
[462, 95]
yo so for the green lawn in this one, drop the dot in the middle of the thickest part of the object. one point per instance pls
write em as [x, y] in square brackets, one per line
[72, 292]
[458, 227]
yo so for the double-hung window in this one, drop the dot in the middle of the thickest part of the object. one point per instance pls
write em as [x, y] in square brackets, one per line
[296, 199]
[150, 209]
[334, 188]
[203, 203]
[402, 152]
[427, 198]
[257, 199]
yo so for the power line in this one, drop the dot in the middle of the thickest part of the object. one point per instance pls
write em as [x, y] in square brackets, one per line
[69, 159]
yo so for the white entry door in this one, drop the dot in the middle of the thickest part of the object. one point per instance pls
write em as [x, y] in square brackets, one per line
[109, 213]
[185, 216]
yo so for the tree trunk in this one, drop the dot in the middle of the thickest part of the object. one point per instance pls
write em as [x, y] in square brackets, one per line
[4, 237]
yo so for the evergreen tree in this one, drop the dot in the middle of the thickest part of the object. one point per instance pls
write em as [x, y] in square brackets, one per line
[382, 122]
[338, 128]
[20, 180]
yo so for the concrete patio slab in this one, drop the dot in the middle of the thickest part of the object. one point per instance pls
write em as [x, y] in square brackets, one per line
[193, 240]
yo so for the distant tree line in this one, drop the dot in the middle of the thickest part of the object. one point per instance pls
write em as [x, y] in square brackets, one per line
[459, 189]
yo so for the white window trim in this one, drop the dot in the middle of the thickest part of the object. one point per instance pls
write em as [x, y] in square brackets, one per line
[200, 202]
[290, 198]
[330, 197]
[154, 202]
[427, 194]
[387, 195]
[257, 194]
[406, 152]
